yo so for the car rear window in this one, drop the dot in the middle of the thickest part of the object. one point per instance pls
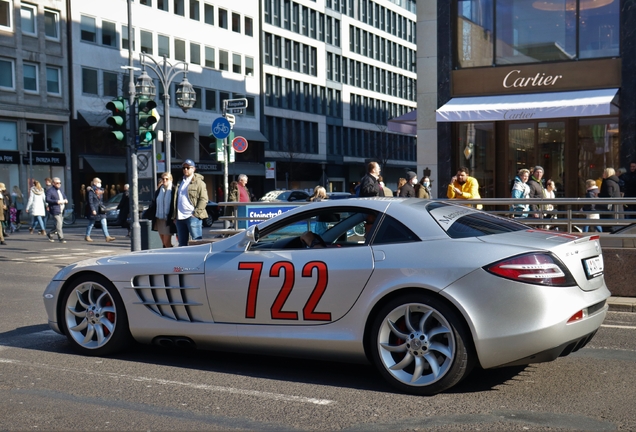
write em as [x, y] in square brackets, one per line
[462, 221]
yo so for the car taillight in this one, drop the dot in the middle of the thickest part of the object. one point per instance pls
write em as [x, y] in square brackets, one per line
[534, 268]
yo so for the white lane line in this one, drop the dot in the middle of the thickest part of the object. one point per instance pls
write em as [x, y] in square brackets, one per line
[618, 326]
[212, 388]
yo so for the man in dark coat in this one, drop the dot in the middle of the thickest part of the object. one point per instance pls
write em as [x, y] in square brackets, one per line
[369, 184]
[408, 190]
[56, 200]
[536, 190]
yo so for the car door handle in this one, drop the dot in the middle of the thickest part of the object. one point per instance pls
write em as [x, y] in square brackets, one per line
[378, 255]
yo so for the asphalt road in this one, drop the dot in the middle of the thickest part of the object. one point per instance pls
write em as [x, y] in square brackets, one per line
[44, 385]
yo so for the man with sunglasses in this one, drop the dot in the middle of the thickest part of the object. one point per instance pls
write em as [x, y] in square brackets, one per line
[190, 199]
[56, 200]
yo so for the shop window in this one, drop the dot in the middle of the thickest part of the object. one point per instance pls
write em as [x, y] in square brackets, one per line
[9, 132]
[51, 24]
[476, 149]
[598, 148]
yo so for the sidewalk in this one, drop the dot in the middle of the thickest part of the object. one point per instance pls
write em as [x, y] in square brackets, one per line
[622, 304]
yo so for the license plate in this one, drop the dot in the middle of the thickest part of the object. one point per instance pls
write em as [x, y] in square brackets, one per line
[593, 266]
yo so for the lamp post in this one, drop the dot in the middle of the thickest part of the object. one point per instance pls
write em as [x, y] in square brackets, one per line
[166, 72]
[30, 134]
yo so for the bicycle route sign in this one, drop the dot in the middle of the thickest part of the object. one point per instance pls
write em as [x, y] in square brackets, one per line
[239, 144]
[221, 128]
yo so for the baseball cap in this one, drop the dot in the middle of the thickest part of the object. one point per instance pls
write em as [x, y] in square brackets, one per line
[188, 162]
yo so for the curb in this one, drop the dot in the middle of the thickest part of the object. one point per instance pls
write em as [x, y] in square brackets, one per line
[622, 304]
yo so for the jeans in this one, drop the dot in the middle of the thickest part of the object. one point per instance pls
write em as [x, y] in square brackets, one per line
[36, 220]
[190, 227]
[59, 219]
[91, 224]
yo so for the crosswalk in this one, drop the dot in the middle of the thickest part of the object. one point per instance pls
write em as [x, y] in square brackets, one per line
[63, 254]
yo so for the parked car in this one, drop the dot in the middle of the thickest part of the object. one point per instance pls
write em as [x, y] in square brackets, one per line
[340, 195]
[214, 212]
[285, 195]
[425, 290]
[112, 213]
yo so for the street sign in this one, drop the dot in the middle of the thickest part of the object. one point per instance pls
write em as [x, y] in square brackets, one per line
[234, 111]
[235, 103]
[230, 118]
[221, 128]
[239, 144]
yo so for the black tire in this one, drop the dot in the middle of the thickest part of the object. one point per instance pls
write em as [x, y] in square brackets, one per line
[93, 316]
[431, 355]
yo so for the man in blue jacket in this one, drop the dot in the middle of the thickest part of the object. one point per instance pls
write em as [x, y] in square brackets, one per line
[56, 200]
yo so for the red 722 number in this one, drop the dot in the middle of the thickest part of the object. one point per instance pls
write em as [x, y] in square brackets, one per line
[288, 272]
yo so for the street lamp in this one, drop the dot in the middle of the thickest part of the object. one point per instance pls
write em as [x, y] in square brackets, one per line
[166, 72]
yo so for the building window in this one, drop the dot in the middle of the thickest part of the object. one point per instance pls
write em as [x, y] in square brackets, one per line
[28, 14]
[146, 2]
[210, 100]
[249, 27]
[146, 42]
[208, 14]
[163, 45]
[53, 81]
[124, 38]
[9, 133]
[88, 30]
[109, 34]
[7, 75]
[249, 66]
[236, 22]
[30, 73]
[224, 60]
[162, 5]
[223, 18]
[195, 53]
[180, 50]
[236, 63]
[52, 24]
[194, 10]
[210, 57]
[6, 9]
[198, 104]
[251, 106]
[89, 81]
[179, 7]
[110, 83]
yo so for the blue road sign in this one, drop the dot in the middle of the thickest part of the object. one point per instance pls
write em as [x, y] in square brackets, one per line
[221, 128]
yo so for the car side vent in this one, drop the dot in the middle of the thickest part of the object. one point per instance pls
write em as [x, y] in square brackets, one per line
[172, 296]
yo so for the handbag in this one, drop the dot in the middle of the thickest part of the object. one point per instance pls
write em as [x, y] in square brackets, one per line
[102, 208]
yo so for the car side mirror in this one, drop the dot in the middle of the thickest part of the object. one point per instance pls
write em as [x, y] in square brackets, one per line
[252, 234]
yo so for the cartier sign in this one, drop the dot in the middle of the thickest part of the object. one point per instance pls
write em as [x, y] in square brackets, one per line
[546, 77]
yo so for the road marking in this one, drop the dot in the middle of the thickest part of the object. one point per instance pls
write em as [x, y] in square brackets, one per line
[212, 388]
[618, 326]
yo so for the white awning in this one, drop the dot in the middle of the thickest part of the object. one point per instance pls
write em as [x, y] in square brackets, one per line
[585, 103]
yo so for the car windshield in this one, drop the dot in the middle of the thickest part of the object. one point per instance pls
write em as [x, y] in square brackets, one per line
[115, 199]
[462, 221]
[271, 195]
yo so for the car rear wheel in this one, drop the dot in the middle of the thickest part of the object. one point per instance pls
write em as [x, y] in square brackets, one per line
[95, 320]
[420, 345]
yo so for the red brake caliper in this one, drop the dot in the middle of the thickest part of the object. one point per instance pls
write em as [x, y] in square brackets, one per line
[110, 316]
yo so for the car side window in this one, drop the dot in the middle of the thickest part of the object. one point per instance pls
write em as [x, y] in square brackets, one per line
[393, 231]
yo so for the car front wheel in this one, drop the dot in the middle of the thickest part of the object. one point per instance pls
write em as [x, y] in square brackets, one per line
[95, 321]
[420, 345]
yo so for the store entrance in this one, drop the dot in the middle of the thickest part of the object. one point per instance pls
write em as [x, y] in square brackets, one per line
[538, 143]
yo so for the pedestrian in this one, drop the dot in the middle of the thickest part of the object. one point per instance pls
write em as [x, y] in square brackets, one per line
[95, 210]
[401, 182]
[56, 200]
[408, 191]
[536, 190]
[629, 188]
[610, 188]
[387, 192]
[320, 194]
[591, 192]
[243, 193]
[124, 209]
[369, 184]
[463, 186]
[549, 193]
[48, 184]
[520, 190]
[423, 189]
[190, 199]
[18, 203]
[161, 210]
[37, 207]
[3, 207]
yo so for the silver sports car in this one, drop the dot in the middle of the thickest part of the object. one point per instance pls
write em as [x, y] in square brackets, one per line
[425, 290]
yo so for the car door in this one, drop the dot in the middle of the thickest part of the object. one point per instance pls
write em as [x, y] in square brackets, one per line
[286, 285]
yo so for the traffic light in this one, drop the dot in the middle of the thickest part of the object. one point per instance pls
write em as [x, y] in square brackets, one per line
[146, 120]
[117, 120]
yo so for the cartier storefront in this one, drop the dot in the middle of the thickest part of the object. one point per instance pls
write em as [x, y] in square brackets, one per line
[533, 84]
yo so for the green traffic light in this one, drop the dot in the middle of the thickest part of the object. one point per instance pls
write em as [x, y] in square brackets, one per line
[117, 120]
[119, 136]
